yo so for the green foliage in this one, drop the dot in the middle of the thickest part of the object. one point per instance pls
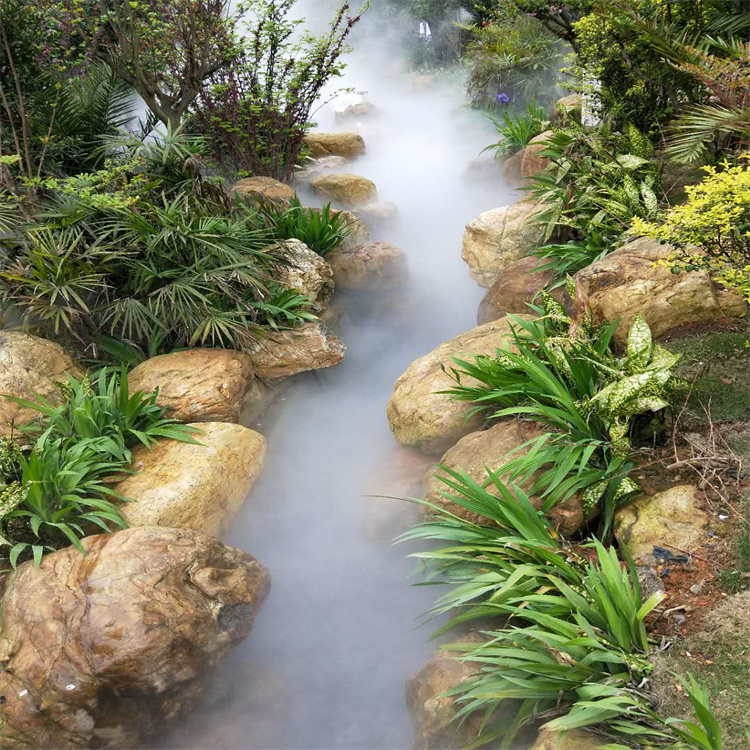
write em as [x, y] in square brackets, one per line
[716, 219]
[57, 491]
[516, 131]
[572, 648]
[148, 250]
[586, 399]
[514, 56]
[322, 230]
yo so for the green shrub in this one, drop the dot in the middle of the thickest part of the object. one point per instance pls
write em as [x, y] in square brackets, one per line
[322, 230]
[516, 131]
[148, 250]
[588, 401]
[56, 490]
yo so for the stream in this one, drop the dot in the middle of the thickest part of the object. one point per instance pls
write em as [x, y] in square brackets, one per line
[326, 662]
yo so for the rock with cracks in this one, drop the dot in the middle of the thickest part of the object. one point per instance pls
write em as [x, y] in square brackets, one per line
[201, 385]
[518, 285]
[346, 189]
[346, 145]
[198, 487]
[492, 449]
[374, 265]
[30, 365]
[636, 279]
[672, 519]
[498, 238]
[104, 650]
[282, 354]
[419, 415]
[305, 271]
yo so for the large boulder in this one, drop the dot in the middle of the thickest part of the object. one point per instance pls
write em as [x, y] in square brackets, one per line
[30, 365]
[574, 739]
[492, 449]
[347, 189]
[353, 107]
[282, 354]
[190, 486]
[631, 280]
[672, 519]
[518, 285]
[264, 189]
[305, 271]
[572, 104]
[201, 385]
[315, 167]
[532, 161]
[419, 415]
[499, 237]
[106, 649]
[375, 265]
[433, 713]
[347, 145]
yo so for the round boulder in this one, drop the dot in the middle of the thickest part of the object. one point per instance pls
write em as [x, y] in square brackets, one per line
[532, 161]
[30, 365]
[305, 271]
[353, 107]
[419, 415]
[376, 265]
[519, 285]
[345, 188]
[574, 739]
[264, 189]
[631, 280]
[499, 237]
[567, 105]
[492, 449]
[282, 354]
[190, 486]
[346, 145]
[108, 648]
[200, 385]
[668, 519]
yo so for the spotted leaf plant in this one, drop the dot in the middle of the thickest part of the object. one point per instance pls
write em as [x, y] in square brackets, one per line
[568, 380]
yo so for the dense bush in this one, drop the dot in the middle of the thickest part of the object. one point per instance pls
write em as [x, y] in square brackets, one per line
[590, 402]
[55, 491]
[598, 182]
[147, 250]
[513, 60]
[711, 230]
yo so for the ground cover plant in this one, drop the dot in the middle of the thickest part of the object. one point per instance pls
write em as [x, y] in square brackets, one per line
[565, 639]
[516, 131]
[57, 485]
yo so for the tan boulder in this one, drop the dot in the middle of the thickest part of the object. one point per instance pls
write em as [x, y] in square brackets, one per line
[423, 418]
[499, 237]
[347, 189]
[201, 385]
[107, 649]
[492, 449]
[668, 519]
[305, 271]
[353, 107]
[264, 189]
[30, 365]
[432, 713]
[376, 265]
[346, 145]
[511, 169]
[518, 285]
[575, 739]
[282, 354]
[357, 232]
[317, 167]
[198, 487]
[532, 161]
[630, 281]
[378, 211]
[566, 105]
